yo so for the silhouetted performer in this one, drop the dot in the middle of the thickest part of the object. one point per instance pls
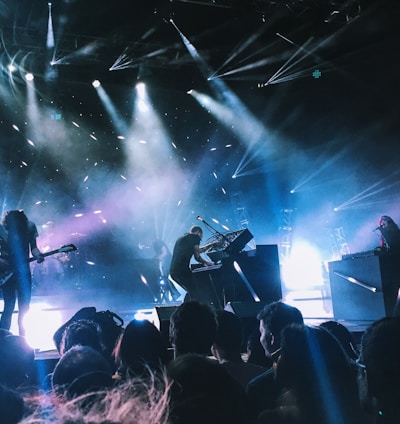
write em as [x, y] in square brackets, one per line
[18, 239]
[164, 256]
[49, 275]
[390, 235]
[185, 247]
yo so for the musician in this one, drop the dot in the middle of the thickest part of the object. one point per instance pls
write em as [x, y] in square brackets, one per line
[164, 256]
[185, 248]
[49, 275]
[389, 235]
[18, 240]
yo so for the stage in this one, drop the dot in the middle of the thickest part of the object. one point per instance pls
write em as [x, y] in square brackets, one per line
[49, 312]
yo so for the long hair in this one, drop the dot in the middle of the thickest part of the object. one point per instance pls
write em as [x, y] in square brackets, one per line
[15, 221]
[17, 225]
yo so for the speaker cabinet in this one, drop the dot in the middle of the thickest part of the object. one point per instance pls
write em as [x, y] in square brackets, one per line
[253, 275]
[249, 276]
[162, 321]
[364, 288]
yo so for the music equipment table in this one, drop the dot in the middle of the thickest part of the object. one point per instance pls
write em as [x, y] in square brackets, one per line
[364, 287]
[247, 276]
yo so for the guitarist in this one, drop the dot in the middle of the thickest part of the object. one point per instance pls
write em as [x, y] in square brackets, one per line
[18, 240]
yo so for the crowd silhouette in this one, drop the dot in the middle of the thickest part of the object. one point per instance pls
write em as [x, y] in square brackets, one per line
[313, 374]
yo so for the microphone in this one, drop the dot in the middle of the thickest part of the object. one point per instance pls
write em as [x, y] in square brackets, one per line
[199, 218]
[376, 229]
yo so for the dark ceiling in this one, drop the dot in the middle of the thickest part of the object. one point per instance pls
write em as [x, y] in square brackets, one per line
[143, 32]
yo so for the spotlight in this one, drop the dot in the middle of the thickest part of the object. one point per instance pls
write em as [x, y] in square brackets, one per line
[29, 77]
[141, 88]
[96, 83]
[11, 67]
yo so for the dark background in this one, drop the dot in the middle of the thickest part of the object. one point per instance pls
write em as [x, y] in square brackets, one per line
[336, 136]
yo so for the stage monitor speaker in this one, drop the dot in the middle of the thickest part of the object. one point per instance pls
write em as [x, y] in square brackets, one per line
[364, 288]
[258, 268]
[247, 312]
[162, 321]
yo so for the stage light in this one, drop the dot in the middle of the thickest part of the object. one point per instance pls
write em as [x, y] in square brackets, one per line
[29, 76]
[141, 88]
[11, 68]
[96, 83]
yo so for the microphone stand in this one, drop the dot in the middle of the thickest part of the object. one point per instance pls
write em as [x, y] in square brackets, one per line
[215, 230]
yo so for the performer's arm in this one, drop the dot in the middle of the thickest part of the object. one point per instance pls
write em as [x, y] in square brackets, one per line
[207, 246]
[36, 252]
[197, 254]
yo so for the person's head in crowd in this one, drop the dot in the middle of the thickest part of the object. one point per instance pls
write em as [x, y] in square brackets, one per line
[379, 370]
[343, 336]
[82, 332]
[274, 317]
[140, 349]
[317, 375]
[12, 406]
[79, 370]
[255, 350]
[17, 360]
[202, 391]
[192, 328]
[229, 337]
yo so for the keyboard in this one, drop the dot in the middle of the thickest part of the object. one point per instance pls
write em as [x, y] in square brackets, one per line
[202, 268]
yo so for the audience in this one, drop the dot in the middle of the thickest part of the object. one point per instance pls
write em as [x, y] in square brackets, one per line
[82, 332]
[203, 392]
[193, 327]
[109, 328]
[317, 373]
[255, 351]
[379, 371]
[140, 350]
[344, 337]
[318, 381]
[79, 332]
[81, 369]
[263, 391]
[16, 361]
[12, 406]
[227, 348]
[132, 402]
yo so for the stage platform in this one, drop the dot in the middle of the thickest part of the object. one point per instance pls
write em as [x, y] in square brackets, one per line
[49, 312]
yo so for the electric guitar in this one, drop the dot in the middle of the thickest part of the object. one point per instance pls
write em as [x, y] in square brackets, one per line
[6, 274]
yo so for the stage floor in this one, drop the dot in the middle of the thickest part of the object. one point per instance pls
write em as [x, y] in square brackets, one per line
[49, 312]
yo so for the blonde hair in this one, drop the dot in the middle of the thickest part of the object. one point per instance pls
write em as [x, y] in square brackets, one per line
[132, 402]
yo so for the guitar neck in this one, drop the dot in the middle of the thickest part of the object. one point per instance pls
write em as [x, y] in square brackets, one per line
[31, 259]
[66, 249]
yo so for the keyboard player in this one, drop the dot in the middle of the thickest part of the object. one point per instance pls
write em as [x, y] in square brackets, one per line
[185, 248]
